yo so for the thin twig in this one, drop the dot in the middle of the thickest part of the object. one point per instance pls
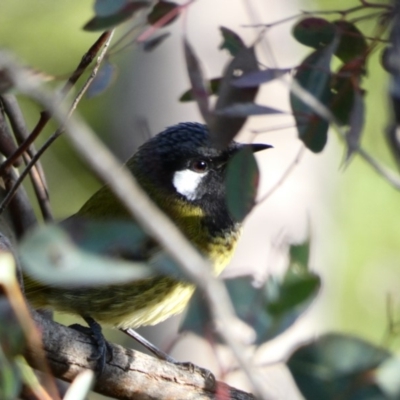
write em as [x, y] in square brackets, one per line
[284, 176]
[17, 122]
[45, 116]
[162, 21]
[319, 108]
[59, 131]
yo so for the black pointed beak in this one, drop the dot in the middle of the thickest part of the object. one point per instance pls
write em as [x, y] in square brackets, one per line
[256, 147]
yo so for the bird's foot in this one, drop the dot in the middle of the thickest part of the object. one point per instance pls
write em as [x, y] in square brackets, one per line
[209, 378]
[104, 349]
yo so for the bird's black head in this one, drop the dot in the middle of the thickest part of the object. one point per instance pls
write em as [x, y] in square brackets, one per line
[183, 162]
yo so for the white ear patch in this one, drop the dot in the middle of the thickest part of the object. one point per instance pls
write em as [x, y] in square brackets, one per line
[186, 182]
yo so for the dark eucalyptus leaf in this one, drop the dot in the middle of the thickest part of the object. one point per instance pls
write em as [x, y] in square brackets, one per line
[197, 317]
[214, 87]
[300, 254]
[273, 308]
[200, 89]
[246, 110]
[231, 41]
[99, 23]
[224, 129]
[343, 91]
[51, 254]
[342, 367]
[257, 78]
[314, 32]
[242, 177]
[352, 43]
[269, 309]
[105, 8]
[151, 44]
[314, 75]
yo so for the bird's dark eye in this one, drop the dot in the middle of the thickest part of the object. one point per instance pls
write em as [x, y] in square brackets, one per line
[199, 166]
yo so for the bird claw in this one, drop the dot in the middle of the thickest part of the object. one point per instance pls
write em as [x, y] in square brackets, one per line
[209, 378]
[104, 349]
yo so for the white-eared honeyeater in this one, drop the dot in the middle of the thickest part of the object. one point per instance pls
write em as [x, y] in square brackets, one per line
[184, 175]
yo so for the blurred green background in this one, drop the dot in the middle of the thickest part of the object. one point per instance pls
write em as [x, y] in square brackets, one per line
[48, 36]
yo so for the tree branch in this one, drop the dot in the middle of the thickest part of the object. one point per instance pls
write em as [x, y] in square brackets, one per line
[130, 374]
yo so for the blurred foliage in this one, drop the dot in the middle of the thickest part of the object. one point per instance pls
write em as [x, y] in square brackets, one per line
[369, 244]
[49, 38]
[368, 249]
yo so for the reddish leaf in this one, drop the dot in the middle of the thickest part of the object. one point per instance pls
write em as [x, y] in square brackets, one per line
[314, 32]
[352, 42]
[160, 10]
[345, 83]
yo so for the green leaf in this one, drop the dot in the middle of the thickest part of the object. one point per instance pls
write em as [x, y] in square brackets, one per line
[105, 8]
[103, 80]
[272, 309]
[257, 78]
[99, 23]
[160, 10]
[242, 176]
[343, 90]
[10, 379]
[338, 367]
[231, 41]
[269, 310]
[313, 75]
[296, 289]
[213, 85]
[224, 129]
[111, 237]
[12, 339]
[299, 255]
[151, 44]
[197, 317]
[50, 255]
[246, 110]
[352, 42]
[314, 32]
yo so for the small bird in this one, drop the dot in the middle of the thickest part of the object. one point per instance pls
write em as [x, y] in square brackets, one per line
[183, 173]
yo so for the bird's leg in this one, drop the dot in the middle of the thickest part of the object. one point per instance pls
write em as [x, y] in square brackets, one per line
[149, 346]
[207, 375]
[104, 348]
